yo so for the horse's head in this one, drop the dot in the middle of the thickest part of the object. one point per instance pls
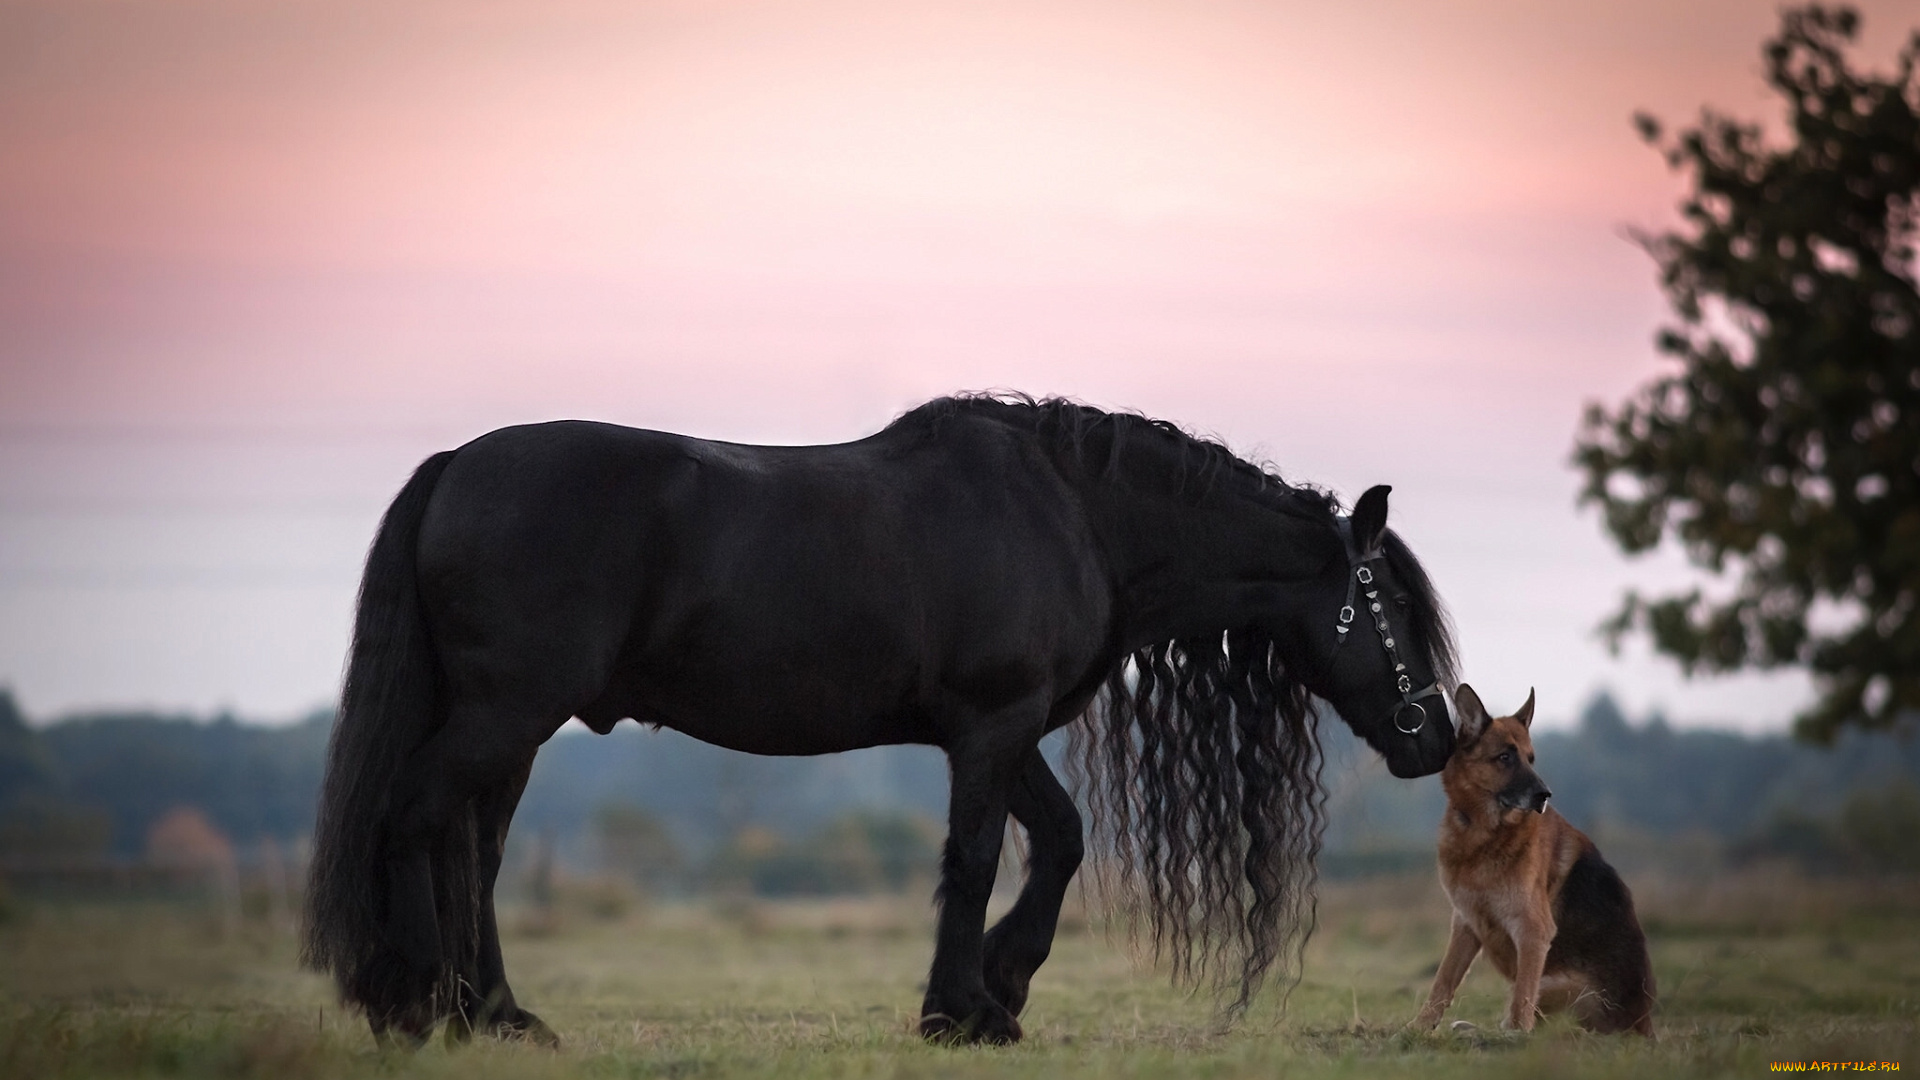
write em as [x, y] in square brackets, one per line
[1379, 646]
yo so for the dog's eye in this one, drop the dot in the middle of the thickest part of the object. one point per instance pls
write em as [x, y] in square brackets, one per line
[1504, 757]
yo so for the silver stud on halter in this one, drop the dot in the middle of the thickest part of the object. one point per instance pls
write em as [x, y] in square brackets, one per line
[1410, 698]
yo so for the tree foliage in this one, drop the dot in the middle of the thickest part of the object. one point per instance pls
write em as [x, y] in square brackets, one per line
[1785, 451]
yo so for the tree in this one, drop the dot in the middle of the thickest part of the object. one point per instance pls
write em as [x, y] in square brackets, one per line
[1785, 450]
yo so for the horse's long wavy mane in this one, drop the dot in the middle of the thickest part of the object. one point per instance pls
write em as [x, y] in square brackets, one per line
[1200, 765]
[1078, 430]
[1199, 761]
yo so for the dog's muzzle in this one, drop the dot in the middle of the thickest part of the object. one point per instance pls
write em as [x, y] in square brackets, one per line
[1528, 794]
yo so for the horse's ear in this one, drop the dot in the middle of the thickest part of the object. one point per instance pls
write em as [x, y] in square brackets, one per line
[1370, 517]
[1525, 715]
[1469, 716]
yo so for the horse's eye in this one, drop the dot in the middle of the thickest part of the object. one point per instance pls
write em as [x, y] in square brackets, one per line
[1403, 602]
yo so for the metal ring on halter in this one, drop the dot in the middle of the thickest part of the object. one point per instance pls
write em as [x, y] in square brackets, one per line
[1418, 724]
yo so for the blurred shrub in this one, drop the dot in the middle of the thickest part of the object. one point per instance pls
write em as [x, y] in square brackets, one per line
[1876, 832]
[602, 899]
[895, 849]
[636, 846]
[37, 826]
[1881, 829]
[183, 836]
[1809, 841]
[862, 852]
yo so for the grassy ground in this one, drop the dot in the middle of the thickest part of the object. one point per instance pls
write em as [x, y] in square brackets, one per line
[1751, 971]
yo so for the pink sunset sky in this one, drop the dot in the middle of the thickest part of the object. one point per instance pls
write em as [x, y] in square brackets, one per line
[258, 258]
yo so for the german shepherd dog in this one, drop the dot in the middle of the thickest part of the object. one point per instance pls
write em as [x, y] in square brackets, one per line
[1531, 890]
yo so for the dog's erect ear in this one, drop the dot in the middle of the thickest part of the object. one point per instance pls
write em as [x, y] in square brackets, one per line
[1370, 517]
[1525, 715]
[1469, 716]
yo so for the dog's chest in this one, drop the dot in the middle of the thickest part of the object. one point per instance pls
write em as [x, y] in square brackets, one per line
[1497, 882]
[1495, 914]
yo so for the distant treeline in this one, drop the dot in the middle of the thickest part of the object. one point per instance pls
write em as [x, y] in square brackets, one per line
[1651, 791]
[97, 783]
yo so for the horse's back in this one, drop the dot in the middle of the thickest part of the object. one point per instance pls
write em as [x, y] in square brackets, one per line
[714, 507]
[709, 586]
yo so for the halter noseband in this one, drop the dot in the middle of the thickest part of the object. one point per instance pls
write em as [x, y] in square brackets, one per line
[1357, 561]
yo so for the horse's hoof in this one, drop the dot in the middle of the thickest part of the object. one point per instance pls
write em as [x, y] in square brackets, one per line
[998, 1027]
[991, 1023]
[527, 1028]
[940, 1028]
[1462, 1027]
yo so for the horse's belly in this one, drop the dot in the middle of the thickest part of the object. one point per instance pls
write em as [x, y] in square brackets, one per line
[767, 713]
[787, 738]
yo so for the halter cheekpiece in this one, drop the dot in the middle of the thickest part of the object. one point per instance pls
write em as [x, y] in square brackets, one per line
[1358, 561]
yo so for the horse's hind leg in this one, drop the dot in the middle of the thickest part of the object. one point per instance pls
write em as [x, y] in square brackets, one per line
[1017, 945]
[486, 1001]
[437, 879]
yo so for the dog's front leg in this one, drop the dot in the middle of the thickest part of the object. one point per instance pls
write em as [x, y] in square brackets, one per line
[1530, 942]
[1462, 946]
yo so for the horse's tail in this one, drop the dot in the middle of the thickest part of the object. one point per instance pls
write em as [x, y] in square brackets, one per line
[1201, 765]
[389, 706]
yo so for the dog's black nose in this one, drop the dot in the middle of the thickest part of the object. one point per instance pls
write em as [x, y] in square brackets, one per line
[1540, 800]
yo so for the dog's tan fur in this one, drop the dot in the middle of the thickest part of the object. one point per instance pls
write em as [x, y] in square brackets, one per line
[1506, 860]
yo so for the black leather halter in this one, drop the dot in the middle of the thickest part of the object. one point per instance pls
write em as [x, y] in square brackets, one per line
[1409, 710]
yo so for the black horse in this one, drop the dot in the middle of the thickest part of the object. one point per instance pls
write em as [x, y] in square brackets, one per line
[978, 574]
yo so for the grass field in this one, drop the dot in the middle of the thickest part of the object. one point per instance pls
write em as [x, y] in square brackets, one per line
[1752, 970]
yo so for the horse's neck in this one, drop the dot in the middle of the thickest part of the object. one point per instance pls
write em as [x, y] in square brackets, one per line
[1190, 565]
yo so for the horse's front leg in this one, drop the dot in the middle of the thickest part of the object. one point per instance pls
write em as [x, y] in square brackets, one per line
[958, 1006]
[1019, 943]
